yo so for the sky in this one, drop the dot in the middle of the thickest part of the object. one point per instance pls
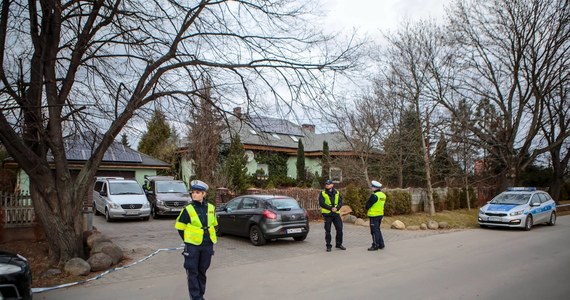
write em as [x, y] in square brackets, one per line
[372, 16]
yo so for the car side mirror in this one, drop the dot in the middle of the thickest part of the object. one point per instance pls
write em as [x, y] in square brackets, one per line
[103, 193]
[534, 204]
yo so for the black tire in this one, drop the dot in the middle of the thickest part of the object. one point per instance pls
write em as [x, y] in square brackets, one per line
[218, 231]
[483, 226]
[95, 211]
[300, 238]
[528, 223]
[108, 216]
[552, 220]
[256, 236]
[153, 213]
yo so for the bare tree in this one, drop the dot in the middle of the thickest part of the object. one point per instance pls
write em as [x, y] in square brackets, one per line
[409, 54]
[512, 56]
[93, 65]
[360, 124]
[205, 127]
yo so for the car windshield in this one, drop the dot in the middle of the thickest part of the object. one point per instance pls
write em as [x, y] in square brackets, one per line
[508, 198]
[170, 187]
[284, 203]
[125, 188]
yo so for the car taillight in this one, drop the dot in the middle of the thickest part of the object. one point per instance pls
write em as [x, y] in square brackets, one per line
[269, 215]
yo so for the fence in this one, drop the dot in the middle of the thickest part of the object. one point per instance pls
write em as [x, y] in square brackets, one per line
[16, 210]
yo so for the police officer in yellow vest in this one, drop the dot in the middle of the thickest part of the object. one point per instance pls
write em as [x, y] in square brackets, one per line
[330, 201]
[375, 212]
[196, 226]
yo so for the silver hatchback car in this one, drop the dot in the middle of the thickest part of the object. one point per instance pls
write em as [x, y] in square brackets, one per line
[519, 207]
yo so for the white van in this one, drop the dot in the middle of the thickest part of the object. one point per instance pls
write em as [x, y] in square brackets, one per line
[119, 198]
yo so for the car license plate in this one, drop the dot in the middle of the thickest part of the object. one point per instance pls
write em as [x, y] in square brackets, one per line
[495, 219]
[295, 230]
[132, 213]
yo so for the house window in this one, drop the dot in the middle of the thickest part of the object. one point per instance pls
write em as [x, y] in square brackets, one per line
[294, 138]
[263, 171]
[335, 174]
[252, 131]
[275, 136]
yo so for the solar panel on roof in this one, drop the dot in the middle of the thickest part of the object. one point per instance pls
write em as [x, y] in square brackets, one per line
[78, 148]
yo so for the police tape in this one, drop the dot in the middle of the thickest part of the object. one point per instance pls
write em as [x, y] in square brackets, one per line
[41, 290]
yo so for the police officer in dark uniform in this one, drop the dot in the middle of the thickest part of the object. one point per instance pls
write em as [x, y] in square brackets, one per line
[196, 226]
[375, 211]
[330, 201]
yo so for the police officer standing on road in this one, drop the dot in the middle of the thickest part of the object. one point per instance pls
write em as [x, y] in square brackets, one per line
[375, 211]
[330, 201]
[196, 225]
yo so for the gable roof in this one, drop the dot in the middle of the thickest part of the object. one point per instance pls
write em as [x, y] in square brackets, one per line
[266, 133]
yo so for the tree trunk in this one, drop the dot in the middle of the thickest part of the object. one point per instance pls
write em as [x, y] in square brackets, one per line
[65, 239]
[467, 192]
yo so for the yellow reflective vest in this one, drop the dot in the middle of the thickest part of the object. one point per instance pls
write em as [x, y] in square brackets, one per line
[328, 202]
[377, 209]
[194, 231]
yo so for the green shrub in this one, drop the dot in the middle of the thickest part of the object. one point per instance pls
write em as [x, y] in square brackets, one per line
[356, 198]
[397, 203]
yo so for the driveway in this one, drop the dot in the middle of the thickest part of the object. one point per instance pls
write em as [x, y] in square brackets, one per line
[139, 239]
[469, 264]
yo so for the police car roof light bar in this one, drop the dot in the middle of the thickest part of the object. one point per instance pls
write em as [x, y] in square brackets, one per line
[521, 188]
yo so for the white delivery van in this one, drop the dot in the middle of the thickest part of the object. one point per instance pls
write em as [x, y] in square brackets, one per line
[119, 198]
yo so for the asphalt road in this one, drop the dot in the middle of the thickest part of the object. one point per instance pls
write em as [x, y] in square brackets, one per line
[470, 264]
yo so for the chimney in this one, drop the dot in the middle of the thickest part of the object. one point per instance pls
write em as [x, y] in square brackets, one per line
[237, 112]
[309, 127]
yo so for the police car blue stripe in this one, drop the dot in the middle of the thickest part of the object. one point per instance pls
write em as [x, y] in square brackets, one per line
[501, 207]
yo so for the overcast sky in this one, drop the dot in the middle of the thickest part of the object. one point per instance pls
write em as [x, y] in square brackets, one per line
[371, 16]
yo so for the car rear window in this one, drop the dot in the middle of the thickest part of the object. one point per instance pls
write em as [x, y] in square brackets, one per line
[284, 203]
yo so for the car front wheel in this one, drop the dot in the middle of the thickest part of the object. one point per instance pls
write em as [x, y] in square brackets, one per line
[528, 223]
[256, 236]
[300, 238]
[108, 216]
[552, 219]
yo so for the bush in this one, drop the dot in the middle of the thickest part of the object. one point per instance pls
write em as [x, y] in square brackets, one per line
[356, 198]
[398, 203]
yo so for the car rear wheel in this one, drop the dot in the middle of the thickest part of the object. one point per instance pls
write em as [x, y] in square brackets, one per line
[108, 216]
[95, 211]
[528, 223]
[300, 238]
[552, 219]
[256, 236]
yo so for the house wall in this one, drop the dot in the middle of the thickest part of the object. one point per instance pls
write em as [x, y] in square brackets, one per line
[23, 184]
[312, 165]
[186, 169]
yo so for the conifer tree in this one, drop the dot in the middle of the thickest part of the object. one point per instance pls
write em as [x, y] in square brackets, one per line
[157, 141]
[235, 166]
[125, 140]
[301, 176]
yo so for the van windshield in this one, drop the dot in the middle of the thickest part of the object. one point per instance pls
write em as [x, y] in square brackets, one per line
[170, 187]
[125, 188]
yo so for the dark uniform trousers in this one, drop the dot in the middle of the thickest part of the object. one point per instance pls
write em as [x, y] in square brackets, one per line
[337, 222]
[196, 262]
[377, 240]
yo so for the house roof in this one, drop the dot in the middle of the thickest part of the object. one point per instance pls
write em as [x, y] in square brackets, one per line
[271, 133]
[78, 149]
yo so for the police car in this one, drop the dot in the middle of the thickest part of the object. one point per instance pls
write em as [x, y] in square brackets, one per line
[519, 207]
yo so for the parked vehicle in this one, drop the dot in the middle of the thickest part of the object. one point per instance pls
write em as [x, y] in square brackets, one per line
[15, 277]
[263, 217]
[166, 196]
[519, 207]
[119, 198]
